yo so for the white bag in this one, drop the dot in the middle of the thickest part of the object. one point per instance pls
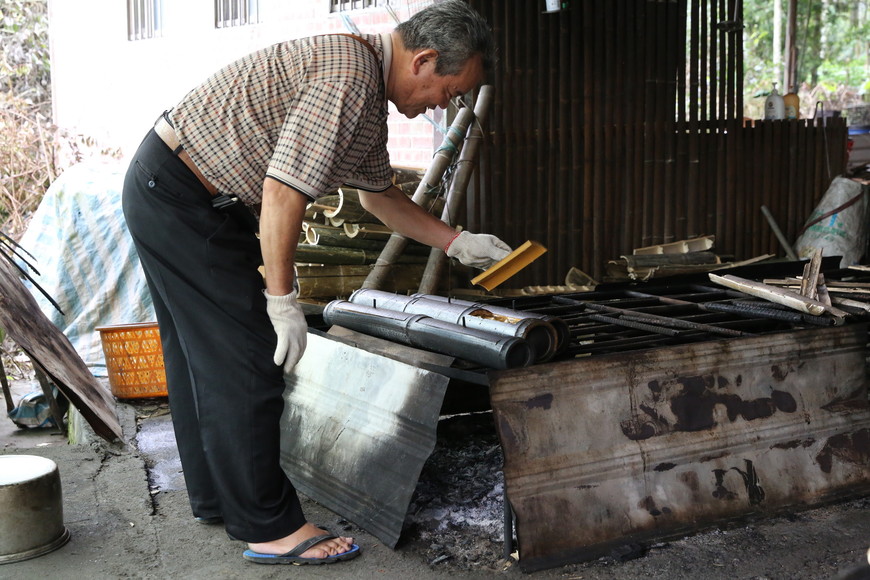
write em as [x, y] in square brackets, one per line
[838, 224]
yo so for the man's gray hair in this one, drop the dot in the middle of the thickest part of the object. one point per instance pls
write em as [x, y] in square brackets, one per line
[455, 30]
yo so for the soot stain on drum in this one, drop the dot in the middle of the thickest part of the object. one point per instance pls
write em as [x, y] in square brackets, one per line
[540, 402]
[694, 405]
[853, 448]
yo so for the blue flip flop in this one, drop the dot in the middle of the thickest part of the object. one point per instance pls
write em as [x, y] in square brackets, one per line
[293, 556]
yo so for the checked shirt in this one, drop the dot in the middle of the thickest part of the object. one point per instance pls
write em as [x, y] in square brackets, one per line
[311, 113]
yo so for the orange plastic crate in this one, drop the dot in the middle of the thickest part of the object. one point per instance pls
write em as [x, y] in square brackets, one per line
[134, 360]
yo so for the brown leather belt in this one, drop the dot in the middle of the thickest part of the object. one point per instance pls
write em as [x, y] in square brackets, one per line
[167, 134]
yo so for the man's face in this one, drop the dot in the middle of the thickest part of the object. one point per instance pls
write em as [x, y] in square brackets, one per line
[427, 90]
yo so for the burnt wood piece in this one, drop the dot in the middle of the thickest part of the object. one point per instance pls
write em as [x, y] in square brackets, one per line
[810, 280]
[43, 342]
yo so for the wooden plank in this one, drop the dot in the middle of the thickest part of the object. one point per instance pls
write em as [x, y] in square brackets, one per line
[698, 244]
[43, 342]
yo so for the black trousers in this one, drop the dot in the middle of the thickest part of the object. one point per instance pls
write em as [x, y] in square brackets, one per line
[225, 392]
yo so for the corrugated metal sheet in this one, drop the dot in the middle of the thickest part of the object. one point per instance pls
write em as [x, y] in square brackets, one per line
[630, 447]
[607, 134]
[358, 427]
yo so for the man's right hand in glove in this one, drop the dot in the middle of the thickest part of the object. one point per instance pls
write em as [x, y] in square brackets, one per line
[290, 326]
[477, 250]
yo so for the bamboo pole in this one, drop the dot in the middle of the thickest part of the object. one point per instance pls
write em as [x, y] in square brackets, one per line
[342, 280]
[337, 256]
[459, 184]
[441, 160]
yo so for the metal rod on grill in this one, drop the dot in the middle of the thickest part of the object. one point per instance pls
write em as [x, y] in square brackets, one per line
[655, 318]
[770, 310]
[635, 325]
[752, 311]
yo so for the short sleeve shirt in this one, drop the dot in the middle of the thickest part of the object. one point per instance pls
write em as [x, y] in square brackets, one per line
[311, 113]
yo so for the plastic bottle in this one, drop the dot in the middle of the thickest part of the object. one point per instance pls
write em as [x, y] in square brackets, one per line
[792, 105]
[774, 108]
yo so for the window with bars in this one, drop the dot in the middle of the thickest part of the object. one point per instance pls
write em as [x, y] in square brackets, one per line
[229, 13]
[144, 19]
[348, 5]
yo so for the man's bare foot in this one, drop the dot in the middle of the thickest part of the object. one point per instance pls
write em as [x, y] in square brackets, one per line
[322, 549]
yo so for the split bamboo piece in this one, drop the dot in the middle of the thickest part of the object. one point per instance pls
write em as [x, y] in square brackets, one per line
[699, 244]
[778, 295]
[510, 265]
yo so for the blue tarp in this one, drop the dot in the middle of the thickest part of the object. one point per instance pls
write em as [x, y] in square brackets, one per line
[86, 259]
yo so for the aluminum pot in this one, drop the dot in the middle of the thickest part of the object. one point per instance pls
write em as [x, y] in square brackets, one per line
[31, 508]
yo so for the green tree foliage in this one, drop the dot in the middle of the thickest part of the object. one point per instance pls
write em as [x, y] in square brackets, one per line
[833, 60]
[28, 144]
[24, 54]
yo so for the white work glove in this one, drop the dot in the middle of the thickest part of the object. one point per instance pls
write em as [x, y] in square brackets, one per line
[290, 326]
[477, 250]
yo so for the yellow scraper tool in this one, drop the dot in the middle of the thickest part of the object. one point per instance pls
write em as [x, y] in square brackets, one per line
[509, 265]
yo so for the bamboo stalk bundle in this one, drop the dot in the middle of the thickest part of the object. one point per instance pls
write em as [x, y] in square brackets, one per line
[337, 256]
[350, 208]
[342, 280]
[367, 231]
[458, 186]
[403, 174]
[334, 236]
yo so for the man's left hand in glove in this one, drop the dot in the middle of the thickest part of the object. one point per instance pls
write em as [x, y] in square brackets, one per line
[477, 250]
[289, 323]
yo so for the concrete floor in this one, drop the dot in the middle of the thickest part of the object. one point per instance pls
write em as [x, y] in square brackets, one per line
[127, 513]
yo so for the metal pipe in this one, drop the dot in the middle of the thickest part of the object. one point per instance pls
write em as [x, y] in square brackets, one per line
[478, 346]
[540, 334]
[563, 333]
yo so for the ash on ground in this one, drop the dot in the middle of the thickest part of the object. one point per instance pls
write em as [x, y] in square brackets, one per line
[456, 515]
